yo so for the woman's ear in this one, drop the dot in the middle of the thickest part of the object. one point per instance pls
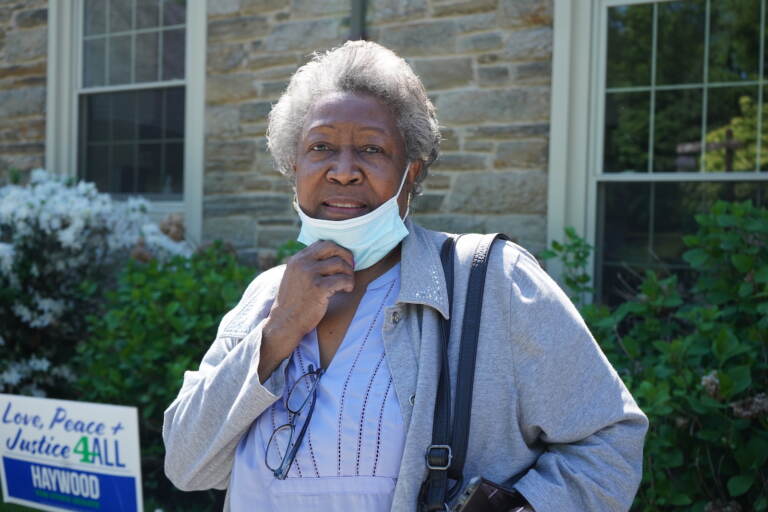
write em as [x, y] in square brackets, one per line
[414, 170]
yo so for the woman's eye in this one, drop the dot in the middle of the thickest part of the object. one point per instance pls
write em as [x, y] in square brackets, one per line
[372, 149]
[319, 147]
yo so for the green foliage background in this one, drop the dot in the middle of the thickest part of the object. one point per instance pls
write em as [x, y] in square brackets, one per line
[696, 360]
[157, 323]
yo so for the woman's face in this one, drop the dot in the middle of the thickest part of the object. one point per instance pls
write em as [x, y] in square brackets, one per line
[350, 158]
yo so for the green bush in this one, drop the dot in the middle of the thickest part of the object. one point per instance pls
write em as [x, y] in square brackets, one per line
[696, 360]
[158, 323]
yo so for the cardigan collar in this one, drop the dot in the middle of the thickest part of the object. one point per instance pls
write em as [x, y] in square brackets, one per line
[422, 280]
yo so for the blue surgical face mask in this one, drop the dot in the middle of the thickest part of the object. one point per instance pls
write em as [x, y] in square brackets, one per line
[369, 237]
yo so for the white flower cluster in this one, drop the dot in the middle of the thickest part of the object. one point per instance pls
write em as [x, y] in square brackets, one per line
[53, 234]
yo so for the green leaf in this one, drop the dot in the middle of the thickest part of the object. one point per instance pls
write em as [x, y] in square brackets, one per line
[738, 485]
[761, 276]
[696, 257]
[739, 379]
[742, 262]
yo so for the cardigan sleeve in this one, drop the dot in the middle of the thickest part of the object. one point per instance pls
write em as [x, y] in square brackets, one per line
[217, 403]
[571, 400]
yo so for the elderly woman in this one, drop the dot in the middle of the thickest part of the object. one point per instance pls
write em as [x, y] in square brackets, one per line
[318, 392]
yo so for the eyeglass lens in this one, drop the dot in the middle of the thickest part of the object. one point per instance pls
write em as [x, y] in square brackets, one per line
[278, 445]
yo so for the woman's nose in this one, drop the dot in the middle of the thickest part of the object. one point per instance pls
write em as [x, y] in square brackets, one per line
[345, 170]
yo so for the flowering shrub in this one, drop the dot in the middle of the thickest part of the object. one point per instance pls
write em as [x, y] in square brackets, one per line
[59, 241]
[695, 359]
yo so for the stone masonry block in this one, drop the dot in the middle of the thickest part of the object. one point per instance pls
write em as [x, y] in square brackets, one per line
[222, 121]
[235, 182]
[32, 18]
[476, 22]
[393, 10]
[499, 192]
[218, 7]
[464, 7]
[229, 88]
[428, 38]
[304, 35]
[437, 180]
[428, 202]
[314, 8]
[36, 69]
[238, 230]
[22, 102]
[230, 155]
[255, 112]
[450, 139]
[26, 44]
[481, 106]
[443, 73]
[525, 13]
[509, 131]
[530, 231]
[256, 61]
[459, 162]
[518, 154]
[274, 237]
[480, 42]
[261, 6]
[492, 76]
[529, 44]
[478, 145]
[532, 72]
[240, 27]
[258, 205]
[225, 57]
[451, 223]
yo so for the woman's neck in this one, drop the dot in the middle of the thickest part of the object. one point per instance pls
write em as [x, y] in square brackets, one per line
[366, 276]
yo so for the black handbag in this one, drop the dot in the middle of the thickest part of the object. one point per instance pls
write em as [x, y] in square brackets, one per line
[446, 455]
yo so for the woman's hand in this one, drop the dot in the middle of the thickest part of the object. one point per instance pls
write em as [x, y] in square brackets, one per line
[312, 276]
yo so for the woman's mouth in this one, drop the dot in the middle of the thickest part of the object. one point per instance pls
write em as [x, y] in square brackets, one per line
[344, 208]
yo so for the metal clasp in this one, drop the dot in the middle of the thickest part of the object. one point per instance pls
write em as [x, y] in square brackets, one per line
[439, 461]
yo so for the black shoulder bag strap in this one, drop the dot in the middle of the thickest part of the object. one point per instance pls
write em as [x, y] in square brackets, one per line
[446, 455]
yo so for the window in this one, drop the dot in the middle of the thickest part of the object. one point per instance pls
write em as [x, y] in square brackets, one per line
[131, 98]
[676, 120]
[126, 100]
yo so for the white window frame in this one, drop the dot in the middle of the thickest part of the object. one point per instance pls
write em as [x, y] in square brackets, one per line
[577, 114]
[63, 78]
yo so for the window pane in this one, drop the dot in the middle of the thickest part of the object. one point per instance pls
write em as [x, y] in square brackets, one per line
[126, 149]
[174, 169]
[97, 115]
[149, 111]
[122, 171]
[120, 15]
[147, 13]
[174, 12]
[174, 113]
[173, 54]
[120, 60]
[630, 30]
[626, 132]
[681, 31]
[731, 129]
[124, 116]
[146, 57]
[94, 58]
[677, 130]
[95, 12]
[149, 175]
[644, 225]
[734, 40]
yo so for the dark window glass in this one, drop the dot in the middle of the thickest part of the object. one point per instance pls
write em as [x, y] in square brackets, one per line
[677, 131]
[95, 12]
[731, 129]
[94, 61]
[644, 224]
[680, 39]
[132, 142]
[147, 13]
[147, 50]
[173, 54]
[630, 31]
[120, 59]
[120, 15]
[626, 132]
[174, 12]
[734, 40]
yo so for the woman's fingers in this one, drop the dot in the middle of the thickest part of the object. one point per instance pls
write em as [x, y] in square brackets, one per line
[333, 265]
[325, 249]
[337, 283]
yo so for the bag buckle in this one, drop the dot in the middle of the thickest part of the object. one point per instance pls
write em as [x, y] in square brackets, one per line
[439, 456]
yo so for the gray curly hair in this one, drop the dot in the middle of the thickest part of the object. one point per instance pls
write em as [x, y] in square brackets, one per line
[356, 66]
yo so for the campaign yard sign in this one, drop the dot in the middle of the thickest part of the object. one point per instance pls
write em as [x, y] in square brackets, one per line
[65, 455]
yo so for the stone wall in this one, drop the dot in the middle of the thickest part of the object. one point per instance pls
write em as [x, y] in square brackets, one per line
[23, 50]
[485, 63]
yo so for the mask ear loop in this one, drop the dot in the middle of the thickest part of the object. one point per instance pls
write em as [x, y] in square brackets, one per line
[408, 200]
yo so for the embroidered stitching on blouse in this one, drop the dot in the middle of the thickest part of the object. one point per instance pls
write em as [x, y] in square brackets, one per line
[362, 414]
[378, 434]
[349, 376]
[309, 430]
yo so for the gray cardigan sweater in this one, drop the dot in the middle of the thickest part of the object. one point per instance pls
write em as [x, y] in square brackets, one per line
[549, 414]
